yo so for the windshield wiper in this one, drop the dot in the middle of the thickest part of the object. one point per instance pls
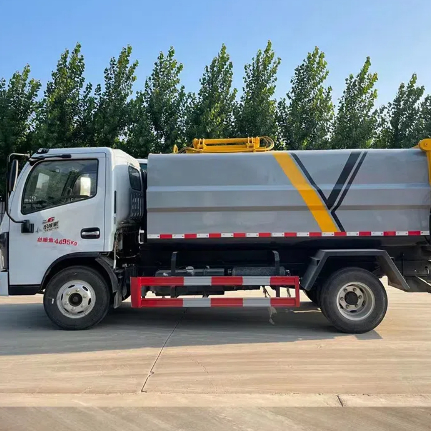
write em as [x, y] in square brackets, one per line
[35, 159]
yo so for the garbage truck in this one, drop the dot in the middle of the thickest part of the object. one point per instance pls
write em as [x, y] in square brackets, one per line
[87, 228]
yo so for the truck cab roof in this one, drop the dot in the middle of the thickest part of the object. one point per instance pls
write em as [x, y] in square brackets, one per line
[77, 150]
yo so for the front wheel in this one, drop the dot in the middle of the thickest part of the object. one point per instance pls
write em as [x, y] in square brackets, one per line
[354, 300]
[76, 298]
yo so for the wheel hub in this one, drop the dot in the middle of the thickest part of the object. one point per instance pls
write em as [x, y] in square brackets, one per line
[355, 301]
[76, 299]
[351, 298]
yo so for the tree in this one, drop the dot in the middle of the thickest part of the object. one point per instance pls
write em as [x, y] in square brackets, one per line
[356, 119]
[212, 113]
[61, 102]
[425, 118]
[305, 115]
[166, 102]
[18, 102]
[141, 139]
[399, 121]
[111, 118]
[256, 113]
[85, 129]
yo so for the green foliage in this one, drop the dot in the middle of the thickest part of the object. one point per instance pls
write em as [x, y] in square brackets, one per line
[305, 115]
[166, 102]
[141, 139]
[85, 129]
[111, 118]
[18, 103]
[425, 118]
[255, 114]
[211, 113]
[399, 121]
[60, 107]
[73, 113]
[356, 119]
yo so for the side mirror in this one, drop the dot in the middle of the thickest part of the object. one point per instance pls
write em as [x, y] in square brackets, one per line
[27, 227]
[13, 175]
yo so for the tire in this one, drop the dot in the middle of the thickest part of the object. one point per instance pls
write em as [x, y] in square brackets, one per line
[313, 295]
[76, 298]
[337, 300]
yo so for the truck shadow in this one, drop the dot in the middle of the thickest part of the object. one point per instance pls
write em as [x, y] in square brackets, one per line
[25, 329]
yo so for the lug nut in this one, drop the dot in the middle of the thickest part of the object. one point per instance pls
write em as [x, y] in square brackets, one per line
[360, 296]
[354, 289]
[345, 289]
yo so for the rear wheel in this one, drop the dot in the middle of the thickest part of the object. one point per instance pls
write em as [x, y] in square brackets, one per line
[354, 300]
[76, 298]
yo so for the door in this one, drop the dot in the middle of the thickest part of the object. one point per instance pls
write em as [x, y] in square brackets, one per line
[65, 202]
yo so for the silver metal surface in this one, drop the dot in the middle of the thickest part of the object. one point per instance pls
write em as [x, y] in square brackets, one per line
[355, 301]
[204, 193]
[92, 234]
[76, 299]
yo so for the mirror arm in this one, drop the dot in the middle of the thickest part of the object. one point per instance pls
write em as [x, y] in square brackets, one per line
[6, 203]
[6, 206]
[9, 157]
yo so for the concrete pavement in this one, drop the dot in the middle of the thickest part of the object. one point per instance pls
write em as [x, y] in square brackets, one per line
[181, 368]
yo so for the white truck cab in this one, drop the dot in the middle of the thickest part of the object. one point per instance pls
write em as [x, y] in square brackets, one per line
[51, 213]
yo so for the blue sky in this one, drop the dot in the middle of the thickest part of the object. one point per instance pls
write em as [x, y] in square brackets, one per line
[395, 33]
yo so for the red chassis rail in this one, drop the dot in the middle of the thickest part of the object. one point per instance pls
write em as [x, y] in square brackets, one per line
[136, 283]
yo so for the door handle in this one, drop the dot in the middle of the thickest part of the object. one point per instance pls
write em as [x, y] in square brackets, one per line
[90, 233]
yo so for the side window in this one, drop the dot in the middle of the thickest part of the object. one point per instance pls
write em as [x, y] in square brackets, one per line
[135, 178]
[60, 182]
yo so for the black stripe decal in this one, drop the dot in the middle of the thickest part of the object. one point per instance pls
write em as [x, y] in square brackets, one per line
[308, 176]
[347, 170]
[341, 188]
[337, 221]
[349, 183]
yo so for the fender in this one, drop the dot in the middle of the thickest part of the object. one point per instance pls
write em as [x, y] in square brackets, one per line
[389, 268]
[101, 260]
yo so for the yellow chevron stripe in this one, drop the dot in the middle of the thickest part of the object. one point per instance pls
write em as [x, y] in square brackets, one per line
[309, 194]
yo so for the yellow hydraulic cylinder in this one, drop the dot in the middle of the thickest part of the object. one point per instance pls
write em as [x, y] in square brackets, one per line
[425, 145]
[230, 145]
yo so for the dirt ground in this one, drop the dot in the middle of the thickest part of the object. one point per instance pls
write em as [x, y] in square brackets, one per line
[216, 369]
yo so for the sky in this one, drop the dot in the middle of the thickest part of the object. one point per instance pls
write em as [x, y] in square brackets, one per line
[396, 35]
